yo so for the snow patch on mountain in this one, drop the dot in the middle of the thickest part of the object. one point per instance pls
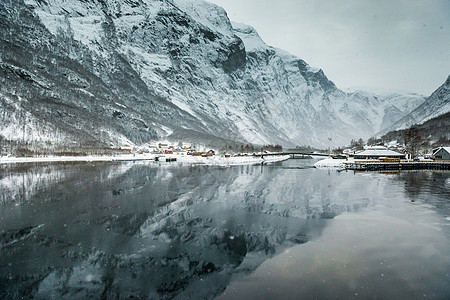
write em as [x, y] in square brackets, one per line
[208, 14]
[249, 36]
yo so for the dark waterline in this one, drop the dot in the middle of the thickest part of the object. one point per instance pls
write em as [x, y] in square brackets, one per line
[284, 230]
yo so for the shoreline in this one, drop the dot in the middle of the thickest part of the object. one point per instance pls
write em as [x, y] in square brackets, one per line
[212, 160]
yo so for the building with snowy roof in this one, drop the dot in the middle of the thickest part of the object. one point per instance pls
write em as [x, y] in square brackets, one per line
[442, 153]
[377, 152]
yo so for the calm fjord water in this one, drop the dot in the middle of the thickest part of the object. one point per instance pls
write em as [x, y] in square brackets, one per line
[284, 230]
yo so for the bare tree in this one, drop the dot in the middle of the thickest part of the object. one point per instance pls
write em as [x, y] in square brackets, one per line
[358, 145]
[413, 141]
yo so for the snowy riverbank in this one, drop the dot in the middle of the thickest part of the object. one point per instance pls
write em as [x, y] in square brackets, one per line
[331, 163]
[212, 160]
[229, 161]
[9, 160]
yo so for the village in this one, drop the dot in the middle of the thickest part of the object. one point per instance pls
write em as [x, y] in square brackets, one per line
[165, 152]
[201, 154]
[367, 157]
[168, 149]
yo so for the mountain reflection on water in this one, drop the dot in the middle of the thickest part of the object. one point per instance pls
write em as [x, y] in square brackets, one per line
[166, 230]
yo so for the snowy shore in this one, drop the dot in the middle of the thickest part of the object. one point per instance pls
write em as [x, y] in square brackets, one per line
[331, 163]
[212, 160]
[9, 160]
[229, 161]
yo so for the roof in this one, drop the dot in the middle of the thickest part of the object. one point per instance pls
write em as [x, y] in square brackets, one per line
[375, 148]
[445, 148]
[380, 153]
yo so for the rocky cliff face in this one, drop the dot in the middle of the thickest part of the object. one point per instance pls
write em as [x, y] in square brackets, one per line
[131, 71]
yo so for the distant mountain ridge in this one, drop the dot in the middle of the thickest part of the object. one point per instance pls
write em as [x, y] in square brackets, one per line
[123, 72]
[438, 104]
[431, 119]
[434, 132]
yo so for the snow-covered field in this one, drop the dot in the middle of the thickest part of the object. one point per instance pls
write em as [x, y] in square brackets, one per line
[213, 160]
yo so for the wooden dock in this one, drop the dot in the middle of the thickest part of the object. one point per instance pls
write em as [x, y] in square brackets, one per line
[402, 165]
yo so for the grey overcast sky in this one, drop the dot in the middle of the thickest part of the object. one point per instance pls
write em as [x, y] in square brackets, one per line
[387, 44]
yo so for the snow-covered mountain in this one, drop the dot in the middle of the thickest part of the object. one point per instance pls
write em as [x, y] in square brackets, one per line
[130, 71]
[436, 105]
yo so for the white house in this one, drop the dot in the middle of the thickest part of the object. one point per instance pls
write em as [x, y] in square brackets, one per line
[442, 153]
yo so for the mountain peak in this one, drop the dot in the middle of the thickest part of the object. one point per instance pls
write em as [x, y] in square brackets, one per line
[208, 14]
[249, 36]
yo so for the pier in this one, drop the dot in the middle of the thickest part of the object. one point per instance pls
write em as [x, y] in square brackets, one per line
[402, 165]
